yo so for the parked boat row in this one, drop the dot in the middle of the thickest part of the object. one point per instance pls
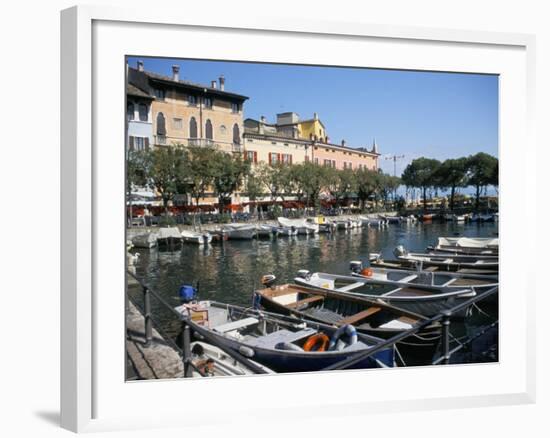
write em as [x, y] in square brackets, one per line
[323, 319]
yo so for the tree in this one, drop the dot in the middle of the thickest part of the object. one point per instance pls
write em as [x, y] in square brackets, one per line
[229, 173]
[340, 184]
[271, 177]
[367, 184]
[199, 170]
[388, 185]
[421, 173]
[137, 170]
[452, 174]
[254, 188]
[482, 171]
[165, 172]
[310, 181]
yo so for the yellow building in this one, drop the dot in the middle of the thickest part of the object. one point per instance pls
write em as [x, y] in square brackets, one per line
[191, 114]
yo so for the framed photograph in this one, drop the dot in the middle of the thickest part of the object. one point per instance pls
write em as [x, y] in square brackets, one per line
[332, 217]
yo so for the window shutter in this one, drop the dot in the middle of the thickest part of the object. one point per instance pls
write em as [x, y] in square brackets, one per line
[146, 143]
[269, 158]
[278, 158]
[290, 161]
[255, 157]
[131, 144]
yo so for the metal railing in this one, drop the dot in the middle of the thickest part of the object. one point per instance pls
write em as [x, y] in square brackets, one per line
[444, 317]
[184, 348]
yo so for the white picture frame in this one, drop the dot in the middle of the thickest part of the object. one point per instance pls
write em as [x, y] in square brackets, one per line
[93, 396]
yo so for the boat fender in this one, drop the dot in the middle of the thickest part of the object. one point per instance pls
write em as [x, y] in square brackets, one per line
[367, 272]
[287, 346]
[246, 351]
[337, 343]
[256, 301]
[187, 293]
[317, 342]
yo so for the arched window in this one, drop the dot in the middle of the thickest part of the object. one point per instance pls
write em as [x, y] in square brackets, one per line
[236, 134]
[192, 128]
[208, 130]
[130, 111]
[161, 124]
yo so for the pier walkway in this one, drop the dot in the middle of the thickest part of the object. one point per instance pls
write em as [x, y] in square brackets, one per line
[159, 360]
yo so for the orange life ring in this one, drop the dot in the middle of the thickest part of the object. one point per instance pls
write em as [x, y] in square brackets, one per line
[319, 339]
[367, 272]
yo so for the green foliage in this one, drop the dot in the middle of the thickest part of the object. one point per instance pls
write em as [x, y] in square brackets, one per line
[482, 171]
[310, 180]
[340, 183]
[165, 172]
[229, 172]
[453, 174]
[422, 173]
[367, 184]
[199, 170]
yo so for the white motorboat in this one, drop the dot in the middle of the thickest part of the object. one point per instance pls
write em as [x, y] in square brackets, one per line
[145, 240]
[211, 361]
[265, 231]
[199, 238]
[240, 231]
[302, 225]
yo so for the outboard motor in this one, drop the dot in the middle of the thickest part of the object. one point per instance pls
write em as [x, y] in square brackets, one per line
[399, 251]
[373, 256]
[355, 266]
[187, 293]
[304, 273]
[268, 280]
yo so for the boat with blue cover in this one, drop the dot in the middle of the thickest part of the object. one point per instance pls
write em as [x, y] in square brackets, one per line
[369, 317]
[282, 343]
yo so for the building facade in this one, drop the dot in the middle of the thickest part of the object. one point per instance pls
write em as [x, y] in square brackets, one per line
[139, 126]
[291, 140]
[185, 113]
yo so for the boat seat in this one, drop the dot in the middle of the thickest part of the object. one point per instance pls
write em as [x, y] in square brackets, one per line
[350, 286]
[234, 325]
[308, 300]
[283, 335]
[352, 319]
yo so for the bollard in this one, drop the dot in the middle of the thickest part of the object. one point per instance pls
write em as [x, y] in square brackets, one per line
[147, 319]
[186, 348]
[446, 322]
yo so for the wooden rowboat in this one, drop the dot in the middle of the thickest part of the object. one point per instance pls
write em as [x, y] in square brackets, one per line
[374, 318]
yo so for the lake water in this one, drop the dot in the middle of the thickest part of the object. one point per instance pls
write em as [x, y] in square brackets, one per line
[230, 271]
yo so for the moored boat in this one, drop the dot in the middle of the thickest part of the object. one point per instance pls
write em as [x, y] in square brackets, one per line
[211, 361]
[422, 299]
[265, 231]
[240, 231]
[467, 245]
[282, 343]
[196, 237]
[145, 240]
[302, 225]
[169, 237]
[373, 318]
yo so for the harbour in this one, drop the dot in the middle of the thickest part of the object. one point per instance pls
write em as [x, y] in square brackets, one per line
[230, 271]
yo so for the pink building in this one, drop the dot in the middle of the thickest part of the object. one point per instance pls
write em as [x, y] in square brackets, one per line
[344, 157]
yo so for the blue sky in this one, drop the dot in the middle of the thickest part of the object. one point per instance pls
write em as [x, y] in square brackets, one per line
[437, 115]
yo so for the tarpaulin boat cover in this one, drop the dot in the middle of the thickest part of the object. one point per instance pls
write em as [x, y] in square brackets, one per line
[469, 242]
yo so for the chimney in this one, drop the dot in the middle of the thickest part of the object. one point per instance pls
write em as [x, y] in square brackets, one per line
[344, 143]
[315, 116]
[176, 73]
[213, 84]
[222, 83]
[263, 119]
[140, 65]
